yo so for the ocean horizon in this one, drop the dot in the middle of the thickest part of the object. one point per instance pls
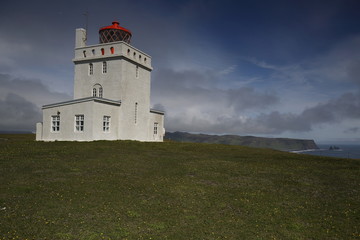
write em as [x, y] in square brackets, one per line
[344, 151]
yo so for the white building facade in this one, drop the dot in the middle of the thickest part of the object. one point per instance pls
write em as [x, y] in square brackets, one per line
[111, 94]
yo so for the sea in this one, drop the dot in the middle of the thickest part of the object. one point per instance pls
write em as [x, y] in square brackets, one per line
[343, 151]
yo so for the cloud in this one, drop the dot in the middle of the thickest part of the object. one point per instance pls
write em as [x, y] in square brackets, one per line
[194, 103]
[18, 114]
[194, 89]
[293, 78]
[30, 89]
[345, 107]
[159, 106]
[247, 98]
[352, 130]
[353, 71]
[338, 67]
[228, 70]
[198, 105]
[20, 102]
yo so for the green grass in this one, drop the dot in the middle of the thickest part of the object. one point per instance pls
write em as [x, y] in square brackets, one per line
[133, 190]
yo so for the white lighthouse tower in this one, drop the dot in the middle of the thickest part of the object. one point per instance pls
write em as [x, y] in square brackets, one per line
[111, 94]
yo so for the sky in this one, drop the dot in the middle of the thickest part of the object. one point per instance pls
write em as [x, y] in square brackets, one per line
[262, 68]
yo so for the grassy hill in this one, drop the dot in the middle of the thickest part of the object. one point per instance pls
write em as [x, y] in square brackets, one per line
[285, 144]
[133, 190]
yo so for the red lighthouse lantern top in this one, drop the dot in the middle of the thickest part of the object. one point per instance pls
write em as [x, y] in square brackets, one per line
[114, 33]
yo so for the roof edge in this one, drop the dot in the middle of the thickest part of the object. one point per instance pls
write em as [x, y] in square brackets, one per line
[157, 111]
[81, 100]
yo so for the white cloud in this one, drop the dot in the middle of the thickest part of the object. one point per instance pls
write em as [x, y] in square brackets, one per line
[228, 70]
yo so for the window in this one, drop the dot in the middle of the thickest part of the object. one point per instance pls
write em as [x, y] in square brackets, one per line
[91, 69]
[97, 91]
[102, 51]
[128, 52]
[137, 72]
[145, 60]
[93, 52]
[106, 124]
[135, 115]
[55, 123]
[112, 50]
[79, 123]
[140, 58]
[134, 54]
[84, 52]
[104, 67]
[156, 128]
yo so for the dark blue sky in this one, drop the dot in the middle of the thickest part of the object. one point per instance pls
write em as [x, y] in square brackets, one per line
[267, 68]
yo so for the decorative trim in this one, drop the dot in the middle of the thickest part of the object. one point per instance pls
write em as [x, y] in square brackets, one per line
[82, 100]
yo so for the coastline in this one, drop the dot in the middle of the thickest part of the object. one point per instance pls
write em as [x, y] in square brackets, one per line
[345, 151]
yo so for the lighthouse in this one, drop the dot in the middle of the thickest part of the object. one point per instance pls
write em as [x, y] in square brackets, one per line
[112, 82]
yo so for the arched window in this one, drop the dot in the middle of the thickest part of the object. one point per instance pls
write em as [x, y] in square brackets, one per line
[93, 52]
[84, 52]
[104, 68]
[128, 52]
[97, 91]
[91, 69]
[112, 50]
[100, 92]
[134, 54]
[140, 58]
[102, 51]
[145, 60]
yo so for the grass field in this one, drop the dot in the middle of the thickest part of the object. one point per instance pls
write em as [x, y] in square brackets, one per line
[133, 190]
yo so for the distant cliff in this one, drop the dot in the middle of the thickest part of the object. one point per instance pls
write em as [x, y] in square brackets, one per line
[285, 144]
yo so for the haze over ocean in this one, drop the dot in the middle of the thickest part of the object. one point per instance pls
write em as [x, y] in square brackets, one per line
[345, 151]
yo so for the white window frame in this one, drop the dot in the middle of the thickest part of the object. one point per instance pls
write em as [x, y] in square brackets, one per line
[79, 123]
[94, 92]
[91, 69]
[104, 68]
[100, 92]
[156, 126]
[106, 124]
[55, 123]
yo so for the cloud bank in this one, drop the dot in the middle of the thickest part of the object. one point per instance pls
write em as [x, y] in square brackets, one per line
[21, 100]
[196, 102]
[18, 114]
[270, 70]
